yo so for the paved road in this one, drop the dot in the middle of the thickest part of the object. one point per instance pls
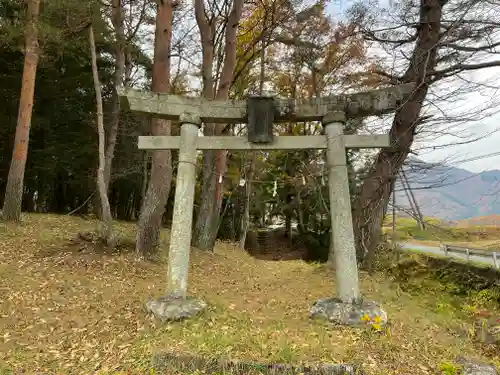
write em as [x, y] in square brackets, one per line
[434, 250]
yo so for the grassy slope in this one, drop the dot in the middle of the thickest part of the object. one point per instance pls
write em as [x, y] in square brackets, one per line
[63, 307]
[477, 236]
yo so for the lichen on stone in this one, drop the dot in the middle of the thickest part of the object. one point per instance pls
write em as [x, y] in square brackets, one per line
[365, 313]
[173, 308]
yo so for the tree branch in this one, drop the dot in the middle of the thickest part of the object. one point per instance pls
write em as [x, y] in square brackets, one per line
[472, 49]
[454, 69]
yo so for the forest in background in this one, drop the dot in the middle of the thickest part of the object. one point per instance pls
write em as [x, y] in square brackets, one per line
[62, 60]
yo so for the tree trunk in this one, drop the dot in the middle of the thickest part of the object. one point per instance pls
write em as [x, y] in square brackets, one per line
[15, 182]
[205, 232]
[374, 196]
[207, 219]
[153, 208]
[145, 170]
[119, 52]
[204, 224]
[245, 219]
[105, 230]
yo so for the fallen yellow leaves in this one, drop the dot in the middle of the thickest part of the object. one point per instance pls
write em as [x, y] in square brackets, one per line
[65, 309]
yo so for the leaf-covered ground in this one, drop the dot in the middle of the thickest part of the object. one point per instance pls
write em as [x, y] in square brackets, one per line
[65, 309]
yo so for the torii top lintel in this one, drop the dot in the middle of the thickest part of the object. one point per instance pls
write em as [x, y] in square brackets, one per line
[375, 102]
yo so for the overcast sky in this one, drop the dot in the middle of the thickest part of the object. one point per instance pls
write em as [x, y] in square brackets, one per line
[486, 130]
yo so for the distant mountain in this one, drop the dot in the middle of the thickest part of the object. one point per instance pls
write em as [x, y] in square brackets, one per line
[451, 193]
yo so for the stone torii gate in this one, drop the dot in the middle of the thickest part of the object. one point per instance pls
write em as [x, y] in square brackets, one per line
[260, 113]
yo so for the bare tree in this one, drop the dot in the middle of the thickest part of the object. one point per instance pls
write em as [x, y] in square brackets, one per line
[126, 27]
[245, 220]
[153, 206]
[15, 181]
[105, 230]
[205, 231]
[275, 30]
[119, 47]
[447, 37]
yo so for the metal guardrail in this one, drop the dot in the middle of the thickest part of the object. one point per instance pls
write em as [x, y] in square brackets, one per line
[469, 251]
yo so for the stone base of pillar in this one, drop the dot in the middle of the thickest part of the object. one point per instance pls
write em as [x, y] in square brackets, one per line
[172, 308]
[471, 367]
[365, 313]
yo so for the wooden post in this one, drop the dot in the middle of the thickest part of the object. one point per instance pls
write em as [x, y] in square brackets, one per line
[495, 259]
[467, 253]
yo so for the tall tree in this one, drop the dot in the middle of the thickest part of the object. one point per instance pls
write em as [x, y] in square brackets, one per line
[447, 38]
[105, 230]
[207, 221]
[119, 54]
[250, 169]
[153, 206]
[15, 182]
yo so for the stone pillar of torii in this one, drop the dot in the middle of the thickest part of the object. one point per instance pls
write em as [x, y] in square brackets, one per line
[260, 113]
